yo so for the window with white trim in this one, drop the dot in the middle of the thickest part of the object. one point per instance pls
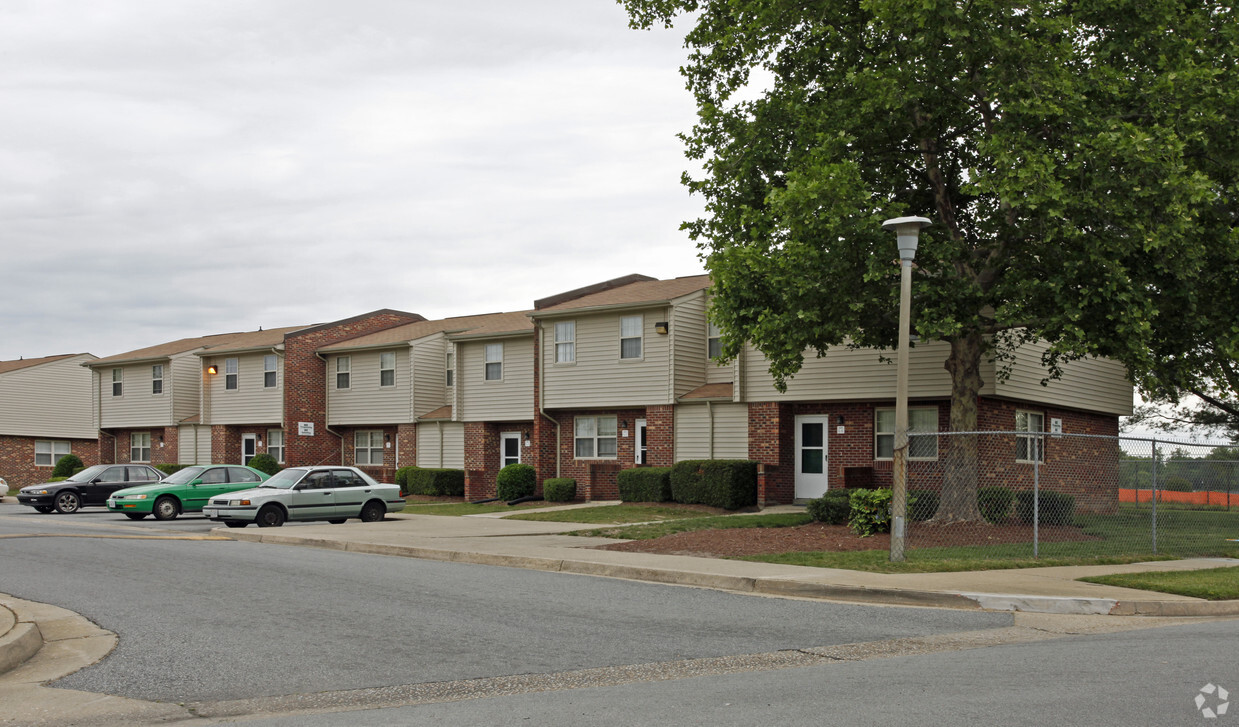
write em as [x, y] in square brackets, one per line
[157, 379]
[118, 382]
[387, 368]
[368, 447]
[565, 342]
[920, 420]
[494, 361]
[451, 369]
[631, 328]
[275, 444]
[232, 374]
[714, 341]
[140, 447]
[595, 437]
[344, 366]
[47, 454]
[1028, 448]
[270, 371]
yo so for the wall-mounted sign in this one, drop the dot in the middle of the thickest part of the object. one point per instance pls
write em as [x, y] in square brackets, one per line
[1056, 426]
[305, 429]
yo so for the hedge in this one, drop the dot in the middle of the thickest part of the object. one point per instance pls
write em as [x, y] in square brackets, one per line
[67, 465]
[433, 481]
[516, 481]
[727, 483]
[169, 469]
[559, 489]
[833, 508]
[1055, 508]
[871, 512]
[264, 463]
[644, 484]
[995, 503]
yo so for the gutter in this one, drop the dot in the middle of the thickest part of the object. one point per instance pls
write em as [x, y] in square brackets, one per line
[537, 329]
[327, 405]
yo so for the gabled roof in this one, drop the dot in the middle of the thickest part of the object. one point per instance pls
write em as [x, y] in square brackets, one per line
[25, 363]
[465, 325]
[162, 350]
[710, 391]
[443, 412]
[501, 324]
[640, 290]
[250, 341]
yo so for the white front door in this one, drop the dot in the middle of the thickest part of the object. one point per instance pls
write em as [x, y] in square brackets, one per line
[811, 469]
[509, 449]
[642, 446]
[249, 447]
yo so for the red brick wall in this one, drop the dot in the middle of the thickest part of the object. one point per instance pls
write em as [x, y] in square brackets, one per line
[482, 455]
[406, 445]
[595, 478]
[384, 473]
[17, 465]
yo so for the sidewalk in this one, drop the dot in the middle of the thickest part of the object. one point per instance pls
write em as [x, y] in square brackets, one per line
[489, 540]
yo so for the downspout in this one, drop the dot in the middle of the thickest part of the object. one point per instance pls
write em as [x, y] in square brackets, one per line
[439, 425]
[327, 404]
[99, 414]
[710, 427]
[537, 331]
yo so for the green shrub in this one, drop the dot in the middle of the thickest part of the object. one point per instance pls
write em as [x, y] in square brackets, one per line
[559, 489]
[833, 508]
[168, 469]
[995, 503]
[433, 481]
[871, 512]
[1173, 483]
[67, 465]
[516, 481]
[265, 463]
[644, 484]
[922, 504]
[1055, 508]
[727, 483]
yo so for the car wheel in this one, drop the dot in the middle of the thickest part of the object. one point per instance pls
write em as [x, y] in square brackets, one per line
[373, 512]
[270, 516]
[335, 522]
[135, 515]
[166, 508]
[67, 502]
[235, 524]
[43, 509]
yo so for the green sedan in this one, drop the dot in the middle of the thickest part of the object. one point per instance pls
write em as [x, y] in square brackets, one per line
[186, 490]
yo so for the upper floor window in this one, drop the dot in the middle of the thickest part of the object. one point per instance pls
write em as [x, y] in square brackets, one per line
[140, 447]
[270, 371]
[275, 444]
[595, 437]
[232, 373]
[714, 341]
[630, 336]
[451, 369]
[344, 367]
[920, 420]
[494, 361]
[1029, 448]
[157, 379]
[565, 342]
[47, 454]
[387, 368]
[368, 447]
[118, 382]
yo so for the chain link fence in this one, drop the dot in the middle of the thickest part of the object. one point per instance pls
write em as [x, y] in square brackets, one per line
[988, 495]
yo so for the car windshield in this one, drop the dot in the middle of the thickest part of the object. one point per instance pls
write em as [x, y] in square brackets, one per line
[88, 474]
[285, 479]
[181, 477]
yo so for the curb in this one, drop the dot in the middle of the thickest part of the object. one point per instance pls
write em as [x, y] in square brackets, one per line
[19, 644]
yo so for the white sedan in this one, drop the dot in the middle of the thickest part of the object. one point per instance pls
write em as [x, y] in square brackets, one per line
[331, 493]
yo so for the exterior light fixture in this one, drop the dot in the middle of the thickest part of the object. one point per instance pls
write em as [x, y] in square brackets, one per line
[212, 369]
[662, 327]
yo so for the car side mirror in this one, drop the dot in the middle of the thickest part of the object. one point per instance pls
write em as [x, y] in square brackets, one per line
[196, 482]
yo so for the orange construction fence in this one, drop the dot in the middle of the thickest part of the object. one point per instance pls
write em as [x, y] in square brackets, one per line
[1224, 499]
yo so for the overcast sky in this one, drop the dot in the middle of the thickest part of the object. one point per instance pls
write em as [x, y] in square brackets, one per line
[185, 168]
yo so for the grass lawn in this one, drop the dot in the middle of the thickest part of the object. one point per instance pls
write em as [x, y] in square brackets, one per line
[709, 522]
[457, 509]
[615, 514]
[1214, 584]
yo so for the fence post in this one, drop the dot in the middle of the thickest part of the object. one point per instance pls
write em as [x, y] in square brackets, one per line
[1037, 498]
[1154, 483]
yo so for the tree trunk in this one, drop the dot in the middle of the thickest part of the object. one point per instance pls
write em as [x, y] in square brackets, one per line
[958, 502]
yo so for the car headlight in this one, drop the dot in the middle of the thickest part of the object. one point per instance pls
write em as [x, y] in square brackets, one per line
[36, 492]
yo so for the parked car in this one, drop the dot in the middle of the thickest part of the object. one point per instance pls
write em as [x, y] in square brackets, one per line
[91, 486]
[185, 490]
[327, 493]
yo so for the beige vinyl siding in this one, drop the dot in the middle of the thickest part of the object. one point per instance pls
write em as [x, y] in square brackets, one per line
[510, 399]
[688, 343]
[441, 444]
[193, 444]
[429, 357]
[184, 382]
[711, 431]
[250, 402]
[599, 378]
[48, 400]
[365, 402]
[1091, 384]
[137, 406]
[845, 374]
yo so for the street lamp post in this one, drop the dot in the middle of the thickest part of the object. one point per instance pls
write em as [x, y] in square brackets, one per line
[908, 231]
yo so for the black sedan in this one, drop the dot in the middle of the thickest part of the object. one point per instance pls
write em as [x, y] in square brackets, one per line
[91, 486]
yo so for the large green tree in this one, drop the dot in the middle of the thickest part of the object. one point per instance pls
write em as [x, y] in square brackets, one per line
[1078, 160]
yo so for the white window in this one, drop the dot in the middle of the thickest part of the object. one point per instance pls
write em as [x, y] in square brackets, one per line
[630, 336]
[595, 437]
[140, 447]
[232, 373]
[451, 369]
[920, 420]
[47, 454]
[368, 447]
[270, 372]
[1029, 448]
[275, 444]
[565, 342]
[343, 366]
[387, 368]
[494, 361]
[714, 341]
[118, 382]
